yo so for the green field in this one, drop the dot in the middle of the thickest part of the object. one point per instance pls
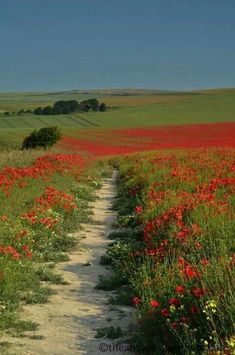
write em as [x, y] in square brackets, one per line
[128, 108]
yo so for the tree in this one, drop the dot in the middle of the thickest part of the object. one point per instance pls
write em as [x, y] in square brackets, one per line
[94, 104]
[90, 105]
[63, 105]
[20, 112]
[47, 110]
[66, 107]
[56, 110]
[73, 105]
[60, 103]
[103, 107]
[83, 106]
[38, 111]
[44, 138]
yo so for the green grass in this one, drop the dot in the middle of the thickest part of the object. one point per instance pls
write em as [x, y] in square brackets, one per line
[196, 109]
[155, 278]
[191, 108]
[21, 274]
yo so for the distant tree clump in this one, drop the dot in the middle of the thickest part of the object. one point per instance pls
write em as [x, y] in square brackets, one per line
[57, 110]
[90, 105]
[63, 107]
[23, 111]
[73, 105]
[47, 110]
[43, 138]
[103, 107]
[38, 111]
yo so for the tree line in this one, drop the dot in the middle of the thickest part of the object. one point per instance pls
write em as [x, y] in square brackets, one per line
[63, 107]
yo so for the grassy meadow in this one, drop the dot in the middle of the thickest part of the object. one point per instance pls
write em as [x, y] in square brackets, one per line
[43, 198]
[173, 258]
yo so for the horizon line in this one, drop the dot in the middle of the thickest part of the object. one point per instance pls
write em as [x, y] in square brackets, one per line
[116, 89]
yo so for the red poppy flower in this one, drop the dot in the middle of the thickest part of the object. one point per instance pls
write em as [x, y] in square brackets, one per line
[154, 303]
[205, 262]
[180, 289]
[136, 301]
[174, 301]
[198, 292]
[190, 273]
[194, 309]
[165, 312]
[138, 209]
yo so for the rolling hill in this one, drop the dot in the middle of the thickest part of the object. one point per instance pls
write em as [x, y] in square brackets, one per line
[128, 109]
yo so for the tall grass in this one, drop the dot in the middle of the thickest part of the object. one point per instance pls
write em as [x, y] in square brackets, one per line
[180, 262]
[19, 158]
[39, 206]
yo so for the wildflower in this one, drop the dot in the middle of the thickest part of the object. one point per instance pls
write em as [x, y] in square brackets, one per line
[198, 245]
[210, 307]
[205, 262]
[138, 209]
[180, 289]
[198, 292]
[26, 249]
[151, 252]
[190, 273]
[174, 301]
[231, 343]
[154, 303]
[136, 300]
[194, 309]
[165, 312]
[205, 343]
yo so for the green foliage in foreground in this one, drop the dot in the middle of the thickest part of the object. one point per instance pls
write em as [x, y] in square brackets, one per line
[29, 247]
[174, 254]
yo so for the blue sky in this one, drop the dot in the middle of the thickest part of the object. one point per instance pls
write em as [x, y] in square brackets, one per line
[81, 44]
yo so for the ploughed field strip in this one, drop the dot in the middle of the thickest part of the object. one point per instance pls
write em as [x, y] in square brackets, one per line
[32, 121]
[69, 322]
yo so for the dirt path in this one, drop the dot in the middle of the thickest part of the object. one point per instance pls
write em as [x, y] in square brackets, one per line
[69, 321]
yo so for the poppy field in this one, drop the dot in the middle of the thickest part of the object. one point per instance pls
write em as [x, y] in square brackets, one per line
[123, 141]
[43, 197]
[174, 255]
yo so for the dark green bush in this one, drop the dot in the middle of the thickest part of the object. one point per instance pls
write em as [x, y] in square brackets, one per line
[43, 138]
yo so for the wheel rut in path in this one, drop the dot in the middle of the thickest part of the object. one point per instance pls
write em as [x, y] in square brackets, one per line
[68, 323]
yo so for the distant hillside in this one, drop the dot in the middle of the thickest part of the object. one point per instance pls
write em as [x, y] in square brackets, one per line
[129, 108]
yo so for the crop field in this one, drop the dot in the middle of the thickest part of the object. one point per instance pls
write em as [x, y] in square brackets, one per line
[130, 110]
